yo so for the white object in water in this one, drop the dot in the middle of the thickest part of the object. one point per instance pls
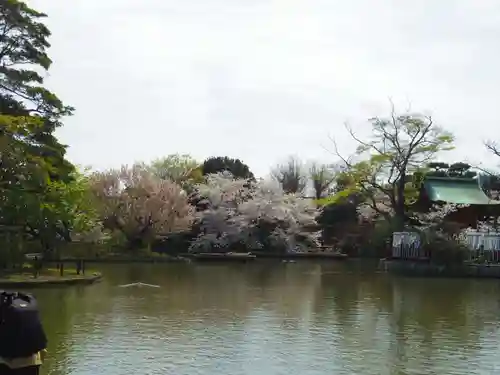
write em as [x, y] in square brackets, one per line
[139, 285]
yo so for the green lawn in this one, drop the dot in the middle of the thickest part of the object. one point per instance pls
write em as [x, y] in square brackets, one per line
[50, 273]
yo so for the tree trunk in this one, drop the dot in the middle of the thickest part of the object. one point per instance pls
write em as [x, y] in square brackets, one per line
[399, 209]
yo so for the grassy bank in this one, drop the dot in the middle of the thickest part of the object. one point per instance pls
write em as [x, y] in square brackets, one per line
[48, 276]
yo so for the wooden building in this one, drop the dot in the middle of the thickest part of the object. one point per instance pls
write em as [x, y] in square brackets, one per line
[460, 191]
[478, 206]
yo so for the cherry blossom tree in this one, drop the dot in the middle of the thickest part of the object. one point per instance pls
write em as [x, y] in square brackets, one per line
[140, 205]
[284, 217]
[251, 215]
[222, 190]
[376, 207]
[218, 222]
[429, 220]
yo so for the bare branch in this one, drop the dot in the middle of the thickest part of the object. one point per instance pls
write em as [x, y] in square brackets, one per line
[400, 145]
[322, 177]
[493, 147]
[290, 176]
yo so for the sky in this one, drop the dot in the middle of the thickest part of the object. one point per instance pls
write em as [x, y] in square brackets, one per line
[261, 80]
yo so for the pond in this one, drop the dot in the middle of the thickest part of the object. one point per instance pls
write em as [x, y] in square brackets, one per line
[270, 319]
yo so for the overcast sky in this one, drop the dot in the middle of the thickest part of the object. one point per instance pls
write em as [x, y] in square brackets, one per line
[263, 79]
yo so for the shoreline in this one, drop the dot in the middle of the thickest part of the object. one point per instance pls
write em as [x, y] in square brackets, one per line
[183, 258]
[419, 269]
[41, 281]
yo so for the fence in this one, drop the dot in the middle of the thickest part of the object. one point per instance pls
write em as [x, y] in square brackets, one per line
[406, 245]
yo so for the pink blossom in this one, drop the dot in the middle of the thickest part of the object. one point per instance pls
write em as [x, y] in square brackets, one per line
[137, 202]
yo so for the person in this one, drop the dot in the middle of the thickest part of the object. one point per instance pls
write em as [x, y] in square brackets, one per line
[23, 343]
[23, 366]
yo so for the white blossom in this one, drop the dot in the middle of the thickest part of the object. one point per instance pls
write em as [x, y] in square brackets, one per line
[488, 226]
[437, 213]
[434, 216]
[375, 209]
[240, 210]
[221, 189]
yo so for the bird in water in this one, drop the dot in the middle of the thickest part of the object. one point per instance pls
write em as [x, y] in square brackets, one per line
[139, 284]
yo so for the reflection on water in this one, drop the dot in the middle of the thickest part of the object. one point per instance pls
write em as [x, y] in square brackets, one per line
[271, 319]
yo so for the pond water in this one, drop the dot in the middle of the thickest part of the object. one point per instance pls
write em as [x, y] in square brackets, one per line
[271, 319]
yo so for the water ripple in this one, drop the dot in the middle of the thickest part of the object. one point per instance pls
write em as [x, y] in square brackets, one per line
[304, 320]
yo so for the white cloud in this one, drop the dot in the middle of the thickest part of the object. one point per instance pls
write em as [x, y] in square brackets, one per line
[261, 79]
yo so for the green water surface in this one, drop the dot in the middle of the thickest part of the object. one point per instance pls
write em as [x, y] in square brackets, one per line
[271, 319]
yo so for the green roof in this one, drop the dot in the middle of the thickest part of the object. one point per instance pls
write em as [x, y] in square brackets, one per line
[457, 191]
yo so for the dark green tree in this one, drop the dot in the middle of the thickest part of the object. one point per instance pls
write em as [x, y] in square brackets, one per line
[23, 59]
[459, 169]
[223, 163]
[437, 169]
[32, 160]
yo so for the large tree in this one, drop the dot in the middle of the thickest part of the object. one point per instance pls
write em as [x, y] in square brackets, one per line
[141, 205]
[400, 145]
[23, 53]
[223, 163]
[32, 161]
[259, 215]
[49, 213]
[23, 59]
[66, 211]
[29, 153]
